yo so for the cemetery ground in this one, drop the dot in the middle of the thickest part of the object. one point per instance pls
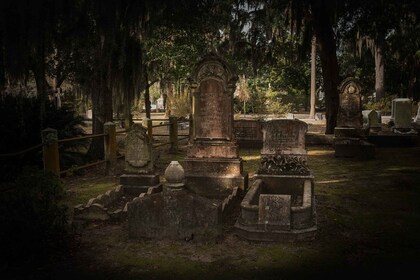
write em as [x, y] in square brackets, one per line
[368, 215]
[368, 222]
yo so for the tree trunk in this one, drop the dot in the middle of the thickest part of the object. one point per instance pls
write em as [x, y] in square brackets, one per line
[379, 69]
[313, 78]
[327, 53]
[147, 103]
[101, 113]
[2, 68]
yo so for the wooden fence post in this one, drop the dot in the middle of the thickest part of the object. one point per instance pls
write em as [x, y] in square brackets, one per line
[173, 134]
[147, 123]
[110, 145]
[50, 154]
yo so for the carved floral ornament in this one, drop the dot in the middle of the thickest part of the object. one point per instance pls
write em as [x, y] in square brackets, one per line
[284, 165]
[212, 70]
[350, 86]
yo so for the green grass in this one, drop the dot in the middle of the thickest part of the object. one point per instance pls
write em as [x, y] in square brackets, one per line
[368, 216]
[83, 192]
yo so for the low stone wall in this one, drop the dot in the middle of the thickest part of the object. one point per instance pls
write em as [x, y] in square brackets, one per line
[97, 209]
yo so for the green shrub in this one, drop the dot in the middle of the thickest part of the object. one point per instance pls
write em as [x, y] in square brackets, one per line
[179, 105]
[21, 129]
[383, 105]
[32, 222]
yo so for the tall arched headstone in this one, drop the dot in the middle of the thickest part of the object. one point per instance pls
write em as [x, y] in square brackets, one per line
[350, 110]
[212, 166]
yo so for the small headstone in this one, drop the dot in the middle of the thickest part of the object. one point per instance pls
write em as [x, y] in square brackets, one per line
[290, 116]
[371, 119]
[284, 150]
[138, 151]
[274, 211]
[139, 172]
[350, 109]
[401, 113]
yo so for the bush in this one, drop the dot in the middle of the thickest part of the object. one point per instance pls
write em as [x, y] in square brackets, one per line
[21, 129]
[383, 105]
[179, 105]
[32, 222]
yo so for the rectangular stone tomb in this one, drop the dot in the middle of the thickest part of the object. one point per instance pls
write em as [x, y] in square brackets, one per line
[175, 214]
[278, 208]
[401, 113]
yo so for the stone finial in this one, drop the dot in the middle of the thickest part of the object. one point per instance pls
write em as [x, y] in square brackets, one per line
[174, 175]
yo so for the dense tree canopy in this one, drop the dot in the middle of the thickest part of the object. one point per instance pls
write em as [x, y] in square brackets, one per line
[114, 51]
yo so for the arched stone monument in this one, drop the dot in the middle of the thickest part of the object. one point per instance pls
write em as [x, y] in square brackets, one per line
[212, 166]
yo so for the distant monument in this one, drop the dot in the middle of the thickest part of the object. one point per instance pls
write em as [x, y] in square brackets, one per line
[350, 109]
[139, 162]
[280, 205]
[401, 115]
[212, 166]
[349, 134]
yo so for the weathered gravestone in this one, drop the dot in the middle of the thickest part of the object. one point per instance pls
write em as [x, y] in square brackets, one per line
[175, 213]
[280, 205]
[139, 162]
[212, 166]
[349, 134]
[350, 108]
[401, 114]
[248, 133]
[371, 120]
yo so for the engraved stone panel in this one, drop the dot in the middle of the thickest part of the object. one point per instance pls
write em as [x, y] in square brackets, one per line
[284, 137]
[274, 210]
[213, 110]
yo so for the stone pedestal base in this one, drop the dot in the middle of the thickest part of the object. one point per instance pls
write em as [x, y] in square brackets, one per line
[353, 148]
[350, 132]
[214, 177]
[212, 149]
[135, 184]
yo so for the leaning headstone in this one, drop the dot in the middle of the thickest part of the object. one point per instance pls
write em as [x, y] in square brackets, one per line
[280, 205]
[212, 166]
[350, 108]
[139, 170]
[401, 114]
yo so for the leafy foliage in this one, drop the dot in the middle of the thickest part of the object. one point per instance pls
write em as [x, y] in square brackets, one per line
[33, 223]
[21, 128]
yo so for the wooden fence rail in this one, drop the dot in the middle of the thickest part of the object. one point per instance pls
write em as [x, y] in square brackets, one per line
[50, 147]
